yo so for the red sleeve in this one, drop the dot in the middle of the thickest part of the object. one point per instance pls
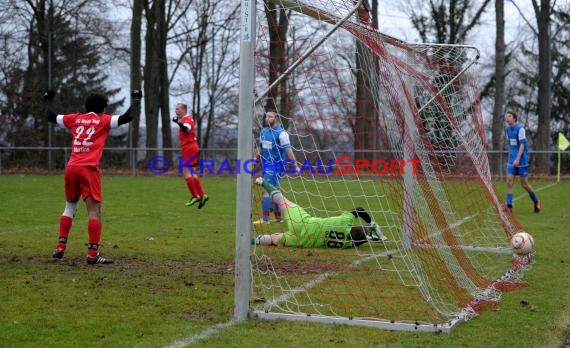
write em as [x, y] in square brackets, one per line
[188, 119]
[68, 119]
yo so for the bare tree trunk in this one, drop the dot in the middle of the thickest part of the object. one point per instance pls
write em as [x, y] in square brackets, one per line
[162, 29]
[165, 105]
[498, 109]
[136, 78]
[365, 124]
[544, 93]
[152, 74]
[278, 24]
[34, 83]
[197, 89]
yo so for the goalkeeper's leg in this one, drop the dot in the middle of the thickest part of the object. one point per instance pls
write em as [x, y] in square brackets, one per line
[277, 212]
[267, 239]
[263, 239]
[270, 178]
[266, 204]
[276, 195]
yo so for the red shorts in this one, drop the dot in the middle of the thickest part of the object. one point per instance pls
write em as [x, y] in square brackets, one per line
[191, 151]
[82, 181]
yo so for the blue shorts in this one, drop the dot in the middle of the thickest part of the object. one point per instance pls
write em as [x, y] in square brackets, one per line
[271, 176]
[517, 171]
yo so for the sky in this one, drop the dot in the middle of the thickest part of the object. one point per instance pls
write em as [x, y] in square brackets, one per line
[394, 22]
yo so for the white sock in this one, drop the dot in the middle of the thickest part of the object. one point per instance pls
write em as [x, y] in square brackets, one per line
[263, 239]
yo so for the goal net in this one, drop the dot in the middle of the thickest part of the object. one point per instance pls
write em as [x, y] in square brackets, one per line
[394, 128]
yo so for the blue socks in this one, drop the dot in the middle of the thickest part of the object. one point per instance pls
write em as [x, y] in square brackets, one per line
[509, 199]
[266, 204]
[533, 196]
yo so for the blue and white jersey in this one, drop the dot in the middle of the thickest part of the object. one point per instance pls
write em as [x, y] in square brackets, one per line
[515, 137]
[274, 142]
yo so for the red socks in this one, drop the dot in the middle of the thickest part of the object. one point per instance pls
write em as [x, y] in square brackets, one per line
[65, 223]
[94, 229]
[191, 186]
[195, 187]
[199, 188]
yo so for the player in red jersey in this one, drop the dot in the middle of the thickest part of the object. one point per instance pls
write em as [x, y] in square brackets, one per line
[190, 153]
[89, 131]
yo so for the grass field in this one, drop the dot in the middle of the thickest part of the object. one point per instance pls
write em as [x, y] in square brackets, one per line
[173, 278]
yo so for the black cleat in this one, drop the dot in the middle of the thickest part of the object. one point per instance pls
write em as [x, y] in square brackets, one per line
[537, 207]
[203, 201]
[58, 253]
[98, 260]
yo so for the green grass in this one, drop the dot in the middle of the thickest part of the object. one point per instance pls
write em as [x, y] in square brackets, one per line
[174, 275]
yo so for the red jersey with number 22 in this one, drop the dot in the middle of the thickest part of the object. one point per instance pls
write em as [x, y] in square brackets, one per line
[89, 133]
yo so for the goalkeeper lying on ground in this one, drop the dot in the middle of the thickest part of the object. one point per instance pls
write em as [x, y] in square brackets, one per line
[306, 231]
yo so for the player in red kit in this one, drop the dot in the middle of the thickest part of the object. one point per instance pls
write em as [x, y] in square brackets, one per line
[190, 154]
[89, 131]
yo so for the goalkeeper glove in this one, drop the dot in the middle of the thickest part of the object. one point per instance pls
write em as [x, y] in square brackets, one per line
[49, 95]
[136, 94]
[175, 119]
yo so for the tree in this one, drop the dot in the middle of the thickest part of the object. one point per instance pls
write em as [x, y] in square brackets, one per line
[59, 56]
[543, 141]
[206, 45]
[136, 78]
[561, 69]
[499, 105]
[221, 80]
[153, 13]
[156, 87]
[443, 21]
[366, 70]
[540, 103]
[13, 48]
[278, 25]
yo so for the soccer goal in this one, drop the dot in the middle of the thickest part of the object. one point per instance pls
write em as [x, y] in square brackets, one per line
[379, 123]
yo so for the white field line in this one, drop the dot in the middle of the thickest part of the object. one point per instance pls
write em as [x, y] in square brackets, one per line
[202, 335]
[536, 190]
[467, 218]
[214, 329]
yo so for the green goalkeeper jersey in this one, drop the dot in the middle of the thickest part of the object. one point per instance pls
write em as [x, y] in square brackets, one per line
[306, 231]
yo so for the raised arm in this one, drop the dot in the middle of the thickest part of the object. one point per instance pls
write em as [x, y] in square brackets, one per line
[184, 126]
[51, 114]
[127, 117]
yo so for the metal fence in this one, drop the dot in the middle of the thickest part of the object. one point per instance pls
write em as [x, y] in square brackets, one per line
[147, 161]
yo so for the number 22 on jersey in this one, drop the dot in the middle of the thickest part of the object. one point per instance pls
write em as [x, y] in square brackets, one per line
[80, 131]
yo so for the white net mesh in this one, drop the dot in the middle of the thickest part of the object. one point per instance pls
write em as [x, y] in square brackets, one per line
[396, 129]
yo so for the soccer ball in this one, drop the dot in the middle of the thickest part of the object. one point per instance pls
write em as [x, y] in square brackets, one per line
[522, 243]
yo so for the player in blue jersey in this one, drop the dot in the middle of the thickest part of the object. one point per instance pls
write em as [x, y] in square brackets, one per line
[518, 162]
[275, 148]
